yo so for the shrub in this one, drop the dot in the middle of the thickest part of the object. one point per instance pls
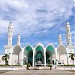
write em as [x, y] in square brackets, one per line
[49, 65]
[28, 65]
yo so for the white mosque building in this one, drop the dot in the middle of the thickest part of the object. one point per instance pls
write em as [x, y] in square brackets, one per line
[39, 54]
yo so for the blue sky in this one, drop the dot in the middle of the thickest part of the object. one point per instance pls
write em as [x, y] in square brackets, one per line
[37, 21]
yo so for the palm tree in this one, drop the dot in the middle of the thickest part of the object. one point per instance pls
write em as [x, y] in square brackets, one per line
[72, 55]
[5, 58]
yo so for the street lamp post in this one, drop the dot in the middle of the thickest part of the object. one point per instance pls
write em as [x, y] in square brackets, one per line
[50, 59]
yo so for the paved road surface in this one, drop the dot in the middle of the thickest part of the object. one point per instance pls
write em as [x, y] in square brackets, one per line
[39, 72]
[3, 71]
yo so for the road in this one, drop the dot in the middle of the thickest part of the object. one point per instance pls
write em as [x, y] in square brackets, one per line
[39, 72]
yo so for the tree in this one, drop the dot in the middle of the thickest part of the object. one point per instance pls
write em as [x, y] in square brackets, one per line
[5, 58]
[72, 55]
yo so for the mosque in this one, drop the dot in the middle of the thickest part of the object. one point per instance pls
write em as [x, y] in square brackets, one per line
[39, 54]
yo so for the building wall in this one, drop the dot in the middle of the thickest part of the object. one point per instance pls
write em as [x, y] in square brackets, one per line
[63, 58]
[14, 60]
[60, 55]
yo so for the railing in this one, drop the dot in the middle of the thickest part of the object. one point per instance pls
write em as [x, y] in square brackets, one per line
[39, 64]
[66, 67]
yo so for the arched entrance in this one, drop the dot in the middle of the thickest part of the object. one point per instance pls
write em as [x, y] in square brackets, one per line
[62, 54]
[50, 55]
[28, 51]
[39, 55]
[16, 51]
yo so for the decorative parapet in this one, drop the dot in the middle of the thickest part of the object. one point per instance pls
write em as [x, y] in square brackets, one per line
[7, 46]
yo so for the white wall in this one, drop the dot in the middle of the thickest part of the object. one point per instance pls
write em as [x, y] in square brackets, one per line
[14, 59]
[63, 59]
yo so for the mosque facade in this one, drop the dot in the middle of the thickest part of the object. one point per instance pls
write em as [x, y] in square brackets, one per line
[39, 54]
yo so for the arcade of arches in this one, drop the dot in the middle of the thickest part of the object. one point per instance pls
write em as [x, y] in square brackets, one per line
[40, 55]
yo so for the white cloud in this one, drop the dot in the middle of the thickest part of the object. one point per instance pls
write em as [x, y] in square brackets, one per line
[3, 26]
[50, 43]
[14, 3]
[73, 37]
[73, 32]
[31, 16]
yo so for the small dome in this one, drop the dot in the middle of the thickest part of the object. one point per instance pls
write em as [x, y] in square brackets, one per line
[60, 36]
[18, 35]
[10, 25]
[68, 25]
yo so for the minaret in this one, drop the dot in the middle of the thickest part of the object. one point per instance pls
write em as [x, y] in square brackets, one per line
[68, 34]
[59, 39]
[18, 40]
[10, 34]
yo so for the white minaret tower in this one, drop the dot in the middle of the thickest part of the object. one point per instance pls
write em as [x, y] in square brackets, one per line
[18, 40]
[10, 34]
[68, 34]
[59, 39]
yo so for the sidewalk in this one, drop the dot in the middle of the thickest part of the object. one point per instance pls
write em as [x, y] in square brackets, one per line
[39, 72]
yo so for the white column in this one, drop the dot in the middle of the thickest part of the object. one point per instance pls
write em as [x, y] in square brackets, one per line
[74, 60]
[56, 56]
[9, 40]
[18, 58]
[33, 55]
[59, 39]
[10, 34]
[67, 56]
[22, 57]
[44, 56]
[68, 34]
[18, 39]
[10, 63]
